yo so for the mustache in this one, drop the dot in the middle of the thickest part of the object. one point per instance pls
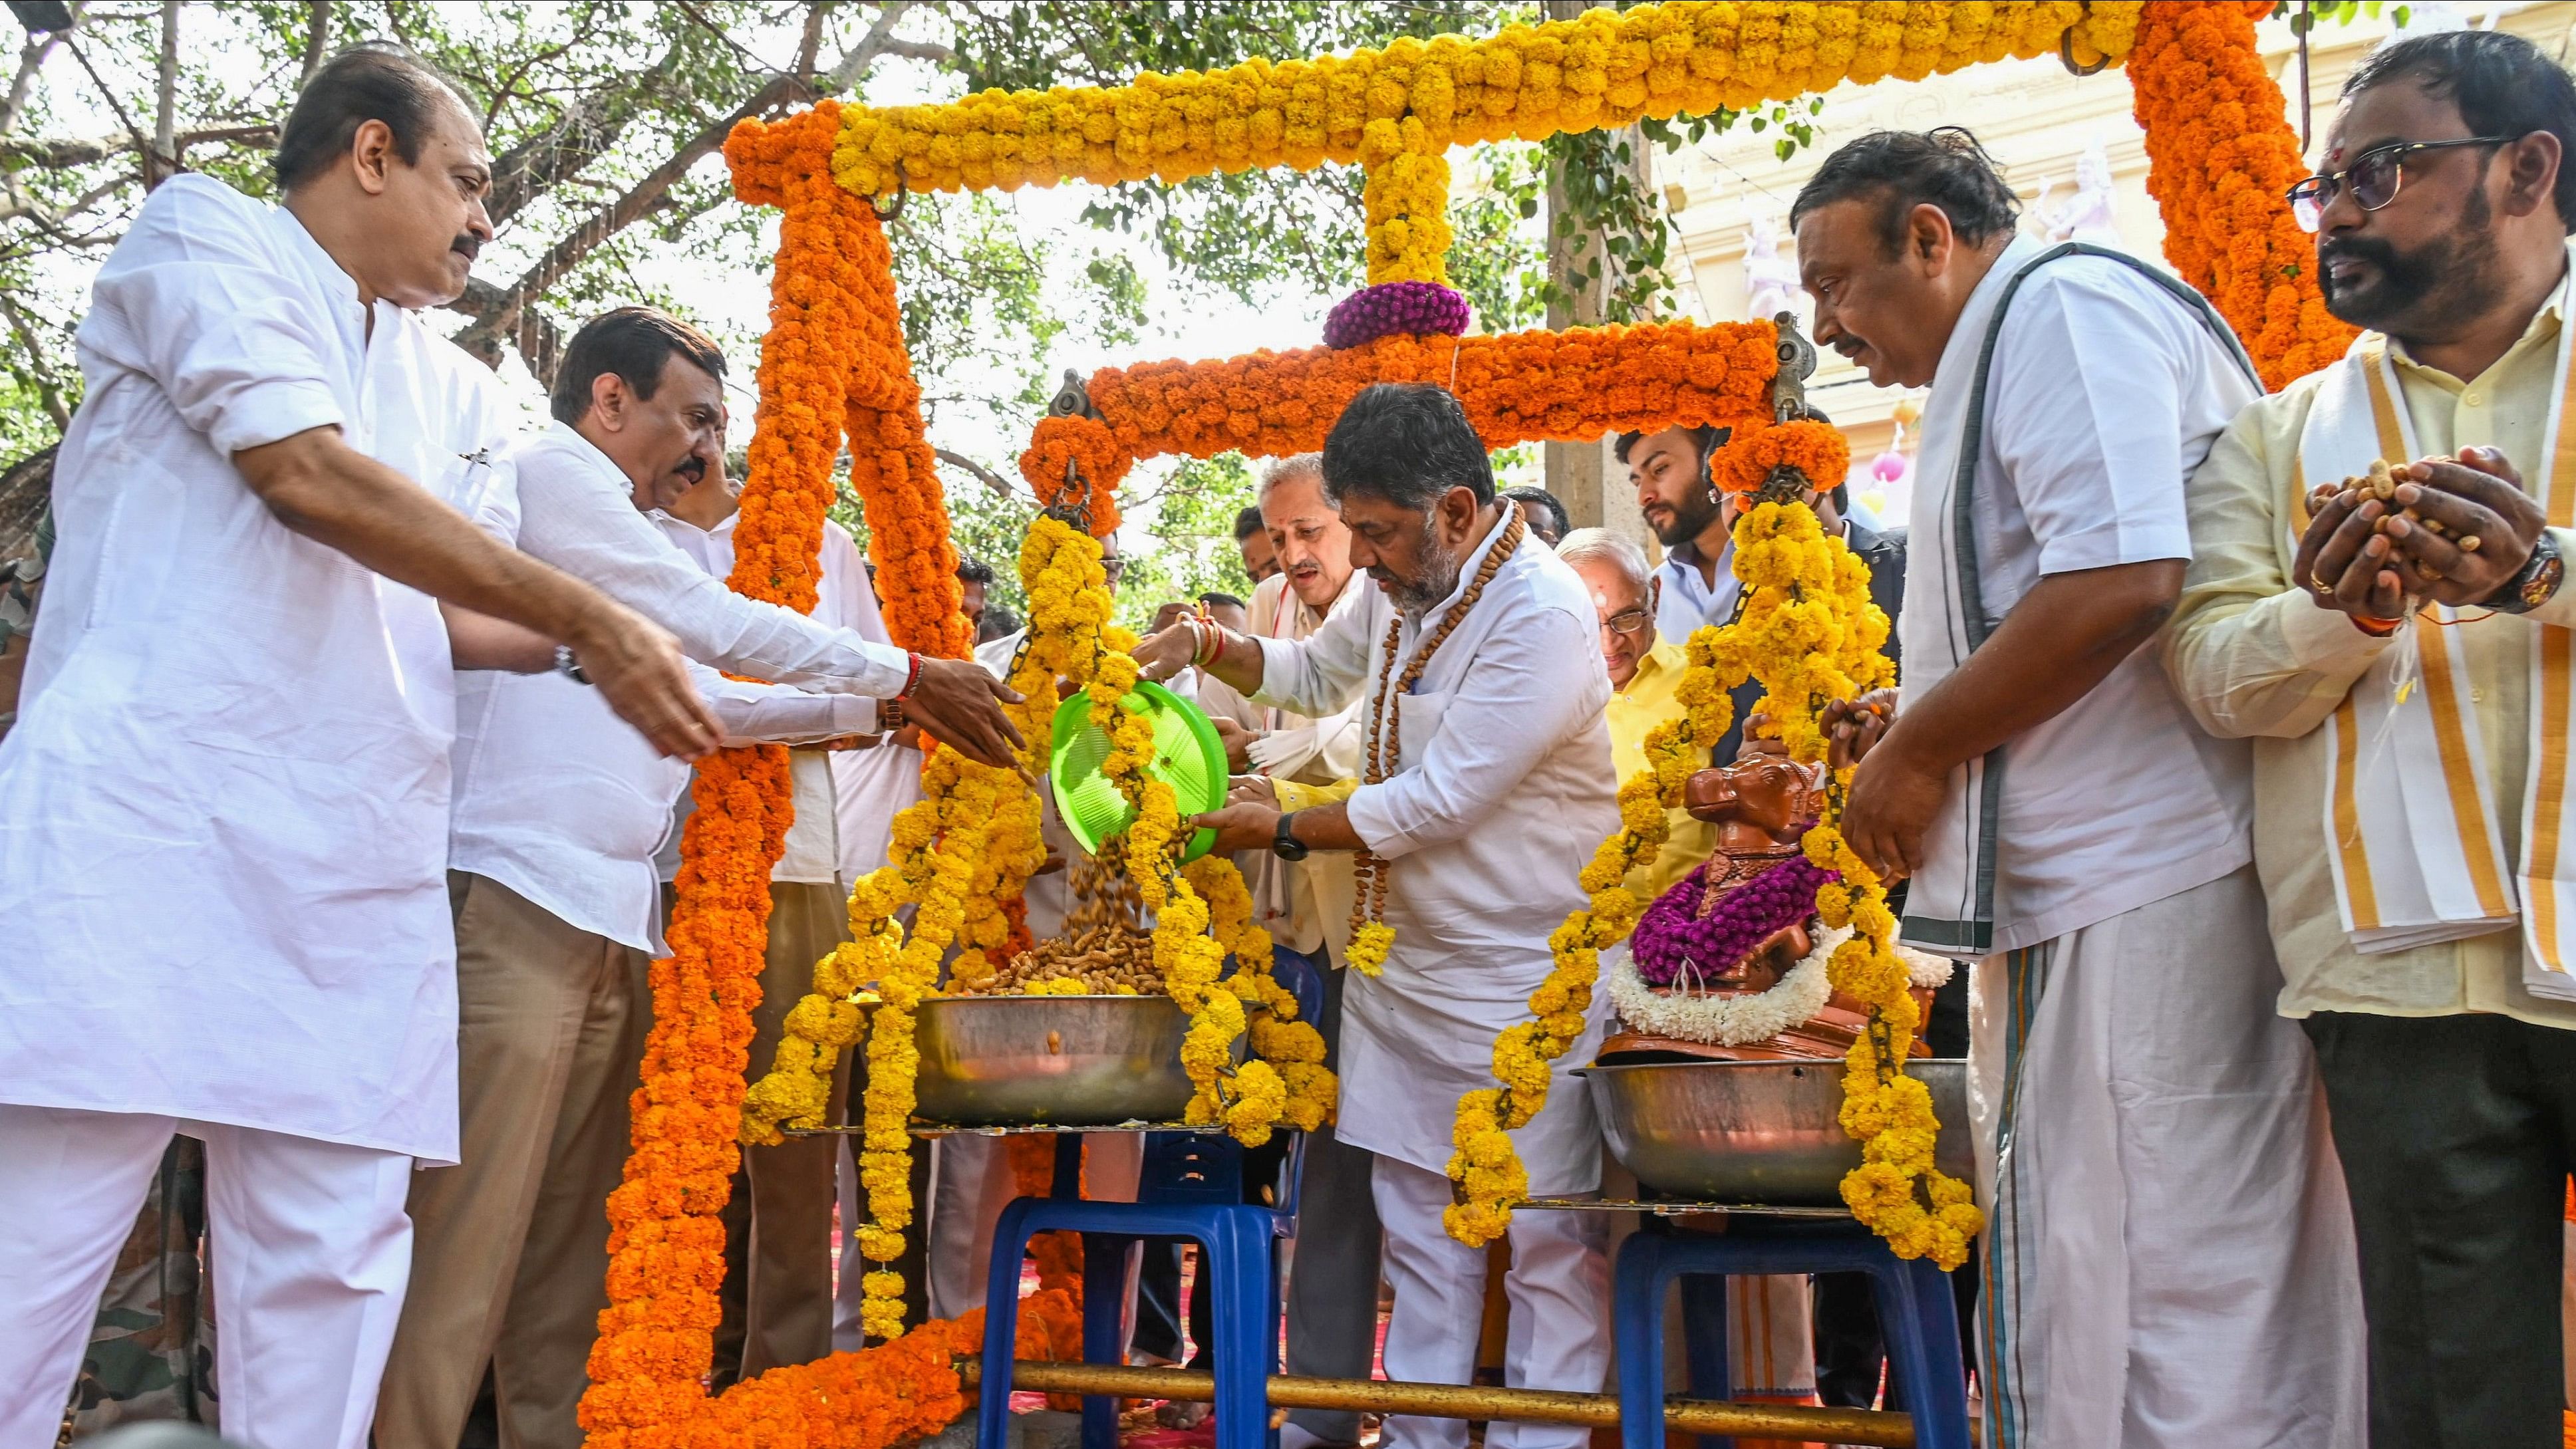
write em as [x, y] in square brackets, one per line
[2373, 250]
[468, 243]
[693, 470]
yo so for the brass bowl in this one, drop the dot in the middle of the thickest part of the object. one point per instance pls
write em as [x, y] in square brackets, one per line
[1074, 1061]
[1755, 1132]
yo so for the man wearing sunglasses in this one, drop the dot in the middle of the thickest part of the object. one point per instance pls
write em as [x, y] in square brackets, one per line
[2408, 693]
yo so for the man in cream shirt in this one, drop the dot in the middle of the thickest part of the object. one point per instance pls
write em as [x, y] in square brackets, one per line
[1485, 817]
[2444, 1033]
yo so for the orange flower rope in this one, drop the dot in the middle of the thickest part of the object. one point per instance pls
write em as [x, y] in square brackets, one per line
[2220, 155]
[832, 342]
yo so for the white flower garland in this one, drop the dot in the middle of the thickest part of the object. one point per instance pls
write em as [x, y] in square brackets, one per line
[1742, 1020]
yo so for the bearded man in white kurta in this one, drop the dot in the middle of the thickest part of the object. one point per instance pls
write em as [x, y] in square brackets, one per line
[223, 811]
[1488, 804]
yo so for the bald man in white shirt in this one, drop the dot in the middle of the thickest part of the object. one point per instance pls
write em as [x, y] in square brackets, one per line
[2169, 1260]
[223, 808]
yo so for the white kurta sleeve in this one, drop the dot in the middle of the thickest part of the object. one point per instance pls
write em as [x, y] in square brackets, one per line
[2087, 417]
[1327, 671]
[753, 713]
[1521, 699]
[193, 300]
[575, 519]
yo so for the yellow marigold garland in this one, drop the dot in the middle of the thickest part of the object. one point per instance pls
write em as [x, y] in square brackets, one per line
[1810, 634]
[1487, 1170]
[1605, 68]
[1406, 201]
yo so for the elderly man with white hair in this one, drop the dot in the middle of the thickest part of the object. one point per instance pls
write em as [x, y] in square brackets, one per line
[1769, 1333]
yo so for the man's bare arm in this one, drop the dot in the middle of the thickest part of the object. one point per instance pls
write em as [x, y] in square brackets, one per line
[319, 486]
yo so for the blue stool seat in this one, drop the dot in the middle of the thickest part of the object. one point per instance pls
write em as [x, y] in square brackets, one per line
[1915, 1312]
[1191, 1186]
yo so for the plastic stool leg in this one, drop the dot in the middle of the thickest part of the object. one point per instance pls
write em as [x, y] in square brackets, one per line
[1244, 1329]
[1104, 1302]
[1921, 1328]
[1637, 1338]
[1706, 1363]
[1001, 1325]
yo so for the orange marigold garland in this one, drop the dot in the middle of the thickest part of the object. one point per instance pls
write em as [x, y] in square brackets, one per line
[666, 1246]
[2220, 155]
[1579, 383]
[1091, 452]
[1817, 450]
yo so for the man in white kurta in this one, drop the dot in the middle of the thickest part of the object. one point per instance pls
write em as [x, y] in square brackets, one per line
[223, 808]
[1499, 794]
[557, 812]
[2168, 1260]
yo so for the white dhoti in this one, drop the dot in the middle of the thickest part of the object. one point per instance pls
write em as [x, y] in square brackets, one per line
[2169, 1259]
[1559, 1285]
[313, 1249]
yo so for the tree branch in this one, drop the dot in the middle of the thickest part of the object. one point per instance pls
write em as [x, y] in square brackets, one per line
[983, 475]
[317, 39]
[590, 126]
[852, 67]
[62, 152]
[164, 158]
[48, 389]
[809, 48]
[31, 59]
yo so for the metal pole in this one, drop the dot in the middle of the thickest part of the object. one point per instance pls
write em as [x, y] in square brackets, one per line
[1454, 1401]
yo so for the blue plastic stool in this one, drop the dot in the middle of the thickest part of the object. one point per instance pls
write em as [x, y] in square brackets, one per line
[1915, 1310]
[1191, 1186]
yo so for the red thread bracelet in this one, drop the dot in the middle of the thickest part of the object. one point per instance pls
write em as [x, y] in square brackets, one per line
[911, 679]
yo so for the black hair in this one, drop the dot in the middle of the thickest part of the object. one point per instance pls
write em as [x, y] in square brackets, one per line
[373, 81]
[1541, 498]
[1408, 443]
[1247, 523]
[1214, 597]
[1905, 169]
[973, 570]
[2503, 84]
[1708, 438]
[998, 623]
[633, 343]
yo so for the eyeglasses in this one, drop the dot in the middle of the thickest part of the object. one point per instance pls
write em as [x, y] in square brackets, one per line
[2374, 176]
[1629, 621]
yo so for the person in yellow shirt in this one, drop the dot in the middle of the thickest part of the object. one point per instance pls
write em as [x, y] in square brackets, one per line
[1645, 677]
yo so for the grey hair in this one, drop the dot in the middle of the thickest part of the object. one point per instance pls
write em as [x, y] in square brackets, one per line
[1620, 553]
[1295, 465]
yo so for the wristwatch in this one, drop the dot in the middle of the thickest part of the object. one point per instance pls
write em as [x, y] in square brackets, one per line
[2536, 584]
[1285, 843]
[567, 666]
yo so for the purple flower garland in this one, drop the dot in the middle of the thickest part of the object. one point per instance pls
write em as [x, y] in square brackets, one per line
[1669, 936]
[1415, 309]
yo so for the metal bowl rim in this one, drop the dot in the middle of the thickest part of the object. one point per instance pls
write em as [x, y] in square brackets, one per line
[1611, 1067]
[1051, 996]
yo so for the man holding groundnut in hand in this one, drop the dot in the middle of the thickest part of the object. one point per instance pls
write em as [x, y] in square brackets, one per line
[2374, 601]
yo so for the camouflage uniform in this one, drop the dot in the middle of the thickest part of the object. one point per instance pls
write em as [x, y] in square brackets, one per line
[152, 1352]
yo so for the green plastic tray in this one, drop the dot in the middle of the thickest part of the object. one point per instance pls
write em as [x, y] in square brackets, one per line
[1187, 756]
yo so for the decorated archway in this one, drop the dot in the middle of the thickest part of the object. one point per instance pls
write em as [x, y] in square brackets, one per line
[834, 373]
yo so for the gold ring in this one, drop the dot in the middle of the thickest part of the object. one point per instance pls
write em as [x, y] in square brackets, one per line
[2320, 585]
